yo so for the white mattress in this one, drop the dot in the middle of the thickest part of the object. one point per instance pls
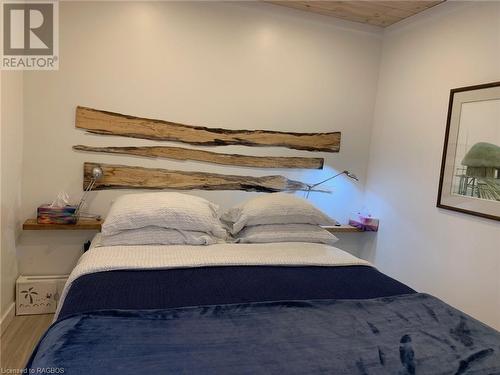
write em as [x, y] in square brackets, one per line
[107, 258]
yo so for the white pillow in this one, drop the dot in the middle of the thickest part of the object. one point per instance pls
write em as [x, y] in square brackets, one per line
[157, 236]
[285, 233]
[166, 210]
[275, 208]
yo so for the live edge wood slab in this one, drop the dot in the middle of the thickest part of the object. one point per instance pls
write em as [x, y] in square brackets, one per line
[180, 153]
[111, 123]
[131, 177]
[82, 224]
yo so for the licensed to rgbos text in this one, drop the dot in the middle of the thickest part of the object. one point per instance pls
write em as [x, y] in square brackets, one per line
[37, 370]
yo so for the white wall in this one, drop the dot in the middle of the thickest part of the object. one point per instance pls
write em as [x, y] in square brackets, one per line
[453, 256]
[234, 65]
[11, 170]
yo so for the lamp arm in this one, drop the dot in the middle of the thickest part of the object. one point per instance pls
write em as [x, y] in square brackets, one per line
[310, 187]
[84, 196]
[328, 179]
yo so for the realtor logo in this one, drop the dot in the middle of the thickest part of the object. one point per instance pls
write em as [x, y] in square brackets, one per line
[30, 35]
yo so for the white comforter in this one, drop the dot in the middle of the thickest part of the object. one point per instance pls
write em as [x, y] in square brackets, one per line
[99, 259]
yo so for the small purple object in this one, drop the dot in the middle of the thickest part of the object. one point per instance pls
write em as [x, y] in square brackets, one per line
[365, 223]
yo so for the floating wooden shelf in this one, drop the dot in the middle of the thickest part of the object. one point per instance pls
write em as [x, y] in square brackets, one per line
[82, 224]
[343, 229]
[93, 224]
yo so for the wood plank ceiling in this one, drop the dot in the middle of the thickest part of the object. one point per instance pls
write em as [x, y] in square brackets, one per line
[377, 13]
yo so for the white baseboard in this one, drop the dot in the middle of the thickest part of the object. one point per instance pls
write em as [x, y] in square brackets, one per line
[7, 317]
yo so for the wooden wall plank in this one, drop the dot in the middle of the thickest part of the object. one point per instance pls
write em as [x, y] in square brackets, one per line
[180, 153]
[131, 177]
[110, 123]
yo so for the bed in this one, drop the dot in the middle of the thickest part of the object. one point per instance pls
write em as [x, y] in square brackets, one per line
[226, 308]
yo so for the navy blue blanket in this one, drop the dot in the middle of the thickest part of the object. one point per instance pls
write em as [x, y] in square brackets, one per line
[160, 289]
[410, 334]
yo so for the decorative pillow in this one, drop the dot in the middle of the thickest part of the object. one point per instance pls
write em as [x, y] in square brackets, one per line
[157, 236]
[275, 208]
[285, 233]
[166, 210]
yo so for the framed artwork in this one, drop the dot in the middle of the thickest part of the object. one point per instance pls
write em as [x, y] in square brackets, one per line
[470, 168]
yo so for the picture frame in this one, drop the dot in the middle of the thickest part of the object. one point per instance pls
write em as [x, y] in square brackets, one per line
[469, 181]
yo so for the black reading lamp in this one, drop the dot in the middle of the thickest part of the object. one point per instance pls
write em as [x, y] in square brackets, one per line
[347, 173]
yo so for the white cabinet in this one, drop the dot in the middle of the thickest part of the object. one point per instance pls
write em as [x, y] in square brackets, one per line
[38, 294]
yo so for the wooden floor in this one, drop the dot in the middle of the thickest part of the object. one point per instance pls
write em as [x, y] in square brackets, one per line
[20, 338]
